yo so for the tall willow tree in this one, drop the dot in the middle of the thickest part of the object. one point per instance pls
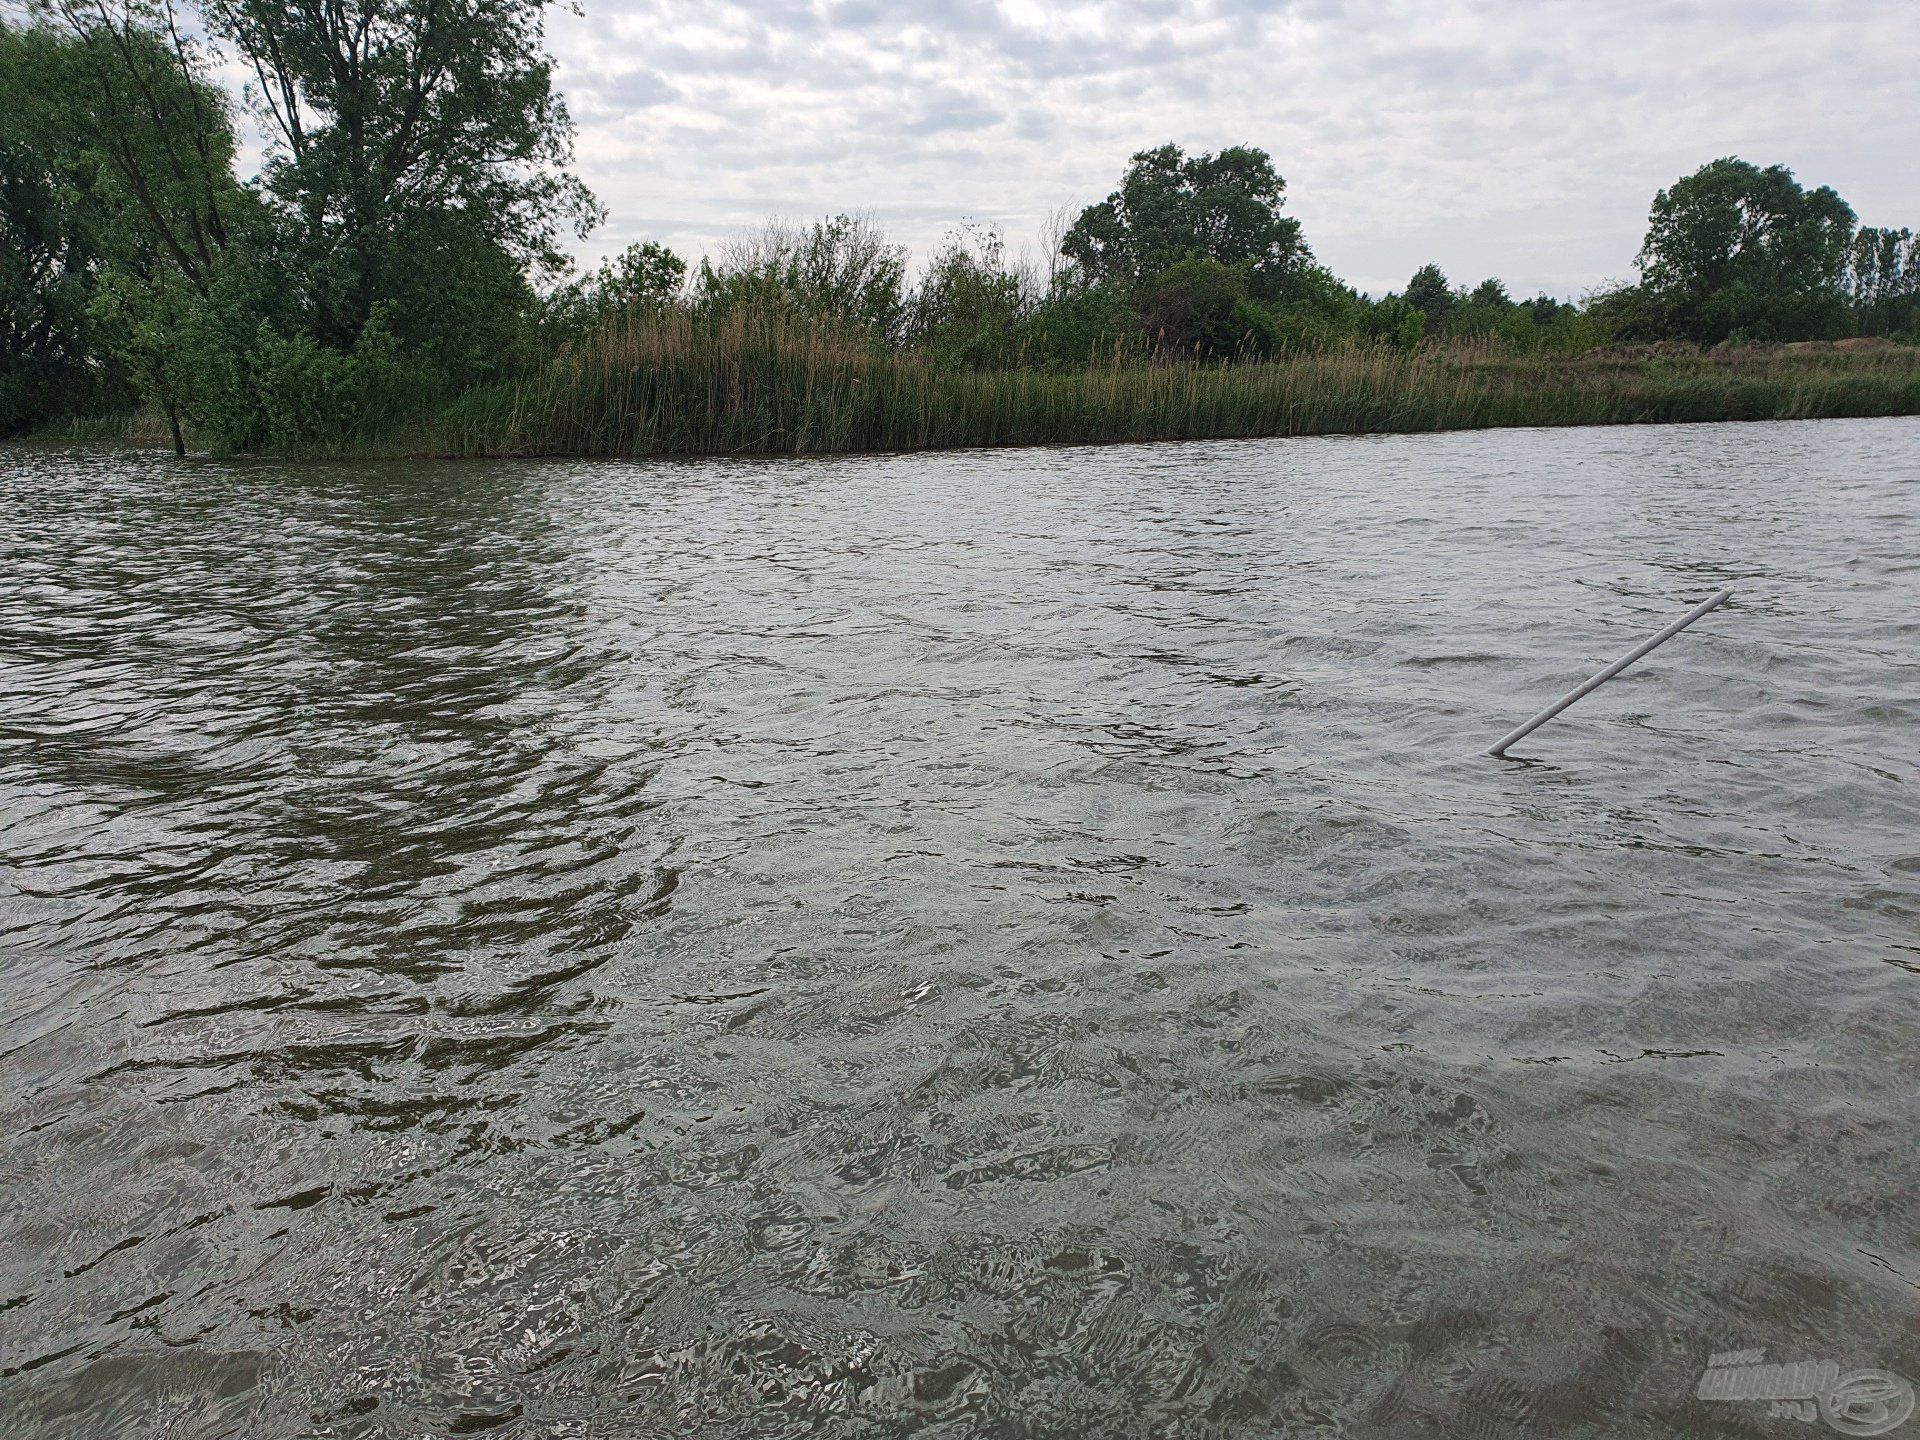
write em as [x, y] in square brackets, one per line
[416, 183]
[119, 188]
[418, 156]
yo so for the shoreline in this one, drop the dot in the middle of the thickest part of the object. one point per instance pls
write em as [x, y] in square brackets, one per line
[803, 400]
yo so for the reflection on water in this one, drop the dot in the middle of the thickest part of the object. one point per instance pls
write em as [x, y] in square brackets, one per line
[1013, 943]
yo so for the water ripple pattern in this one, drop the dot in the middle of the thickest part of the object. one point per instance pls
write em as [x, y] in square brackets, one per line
[1012, 943]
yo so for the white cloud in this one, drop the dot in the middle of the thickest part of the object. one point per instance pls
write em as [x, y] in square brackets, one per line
[1523, 140]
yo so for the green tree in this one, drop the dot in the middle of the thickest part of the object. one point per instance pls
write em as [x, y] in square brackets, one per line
[646, 273]
[1076, 326]
[1429, 293]
[138, 102]
[1491, 294]
[1200, 309]
[1882, 280]
[1488, 311]
[1737, 252]
[117, 103]
[1545, 310]
[1411, 330]
[1171, 207]
[1623, 312]
[415, 182]
[49, 242]
[970, 307]
[1316, 310]
[417, 152]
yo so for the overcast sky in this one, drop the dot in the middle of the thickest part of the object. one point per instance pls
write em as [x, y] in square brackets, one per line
[1518, 138]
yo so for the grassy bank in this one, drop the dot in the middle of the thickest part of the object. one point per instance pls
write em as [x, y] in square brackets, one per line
[664, 384]
[657, 384]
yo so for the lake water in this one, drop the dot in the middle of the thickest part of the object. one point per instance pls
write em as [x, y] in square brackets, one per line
[1012, 943]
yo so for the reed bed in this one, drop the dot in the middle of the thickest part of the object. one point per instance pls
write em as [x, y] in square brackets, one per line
[756, 383]
[752, 383]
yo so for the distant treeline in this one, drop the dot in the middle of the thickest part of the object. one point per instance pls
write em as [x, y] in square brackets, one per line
[396, 268]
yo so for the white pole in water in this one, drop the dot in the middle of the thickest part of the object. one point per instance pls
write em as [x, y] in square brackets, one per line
[1588, 686]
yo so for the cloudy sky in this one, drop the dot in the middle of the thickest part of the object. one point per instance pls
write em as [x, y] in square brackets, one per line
[1518, 138]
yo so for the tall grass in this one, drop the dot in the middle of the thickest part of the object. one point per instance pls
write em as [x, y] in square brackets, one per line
[762, 382]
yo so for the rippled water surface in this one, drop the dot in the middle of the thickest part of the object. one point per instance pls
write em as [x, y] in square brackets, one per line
[1012, 943]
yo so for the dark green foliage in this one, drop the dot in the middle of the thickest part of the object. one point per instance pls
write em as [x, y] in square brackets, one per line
[145, 151]
[136, 103]
[1626, 313]
[1429, 293]
[1882, 281]
[50, 246]
[265, 390]
[1314, 310]
[413, 190]
[117, 174]
[1169, 208]
[1544, 310]
[409, 136]
[1200, 309]
[1081, 327]
[970, 309]
[643, 274]
[1737, 252]
[1432, 312]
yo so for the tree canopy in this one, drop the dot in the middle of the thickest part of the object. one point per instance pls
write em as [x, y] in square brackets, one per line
[410, 139]
[415, 190]
[1171, 207]
[1735, 251]
[49, 243]
[1429, 293]
[116, 165]
[1883, 279]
